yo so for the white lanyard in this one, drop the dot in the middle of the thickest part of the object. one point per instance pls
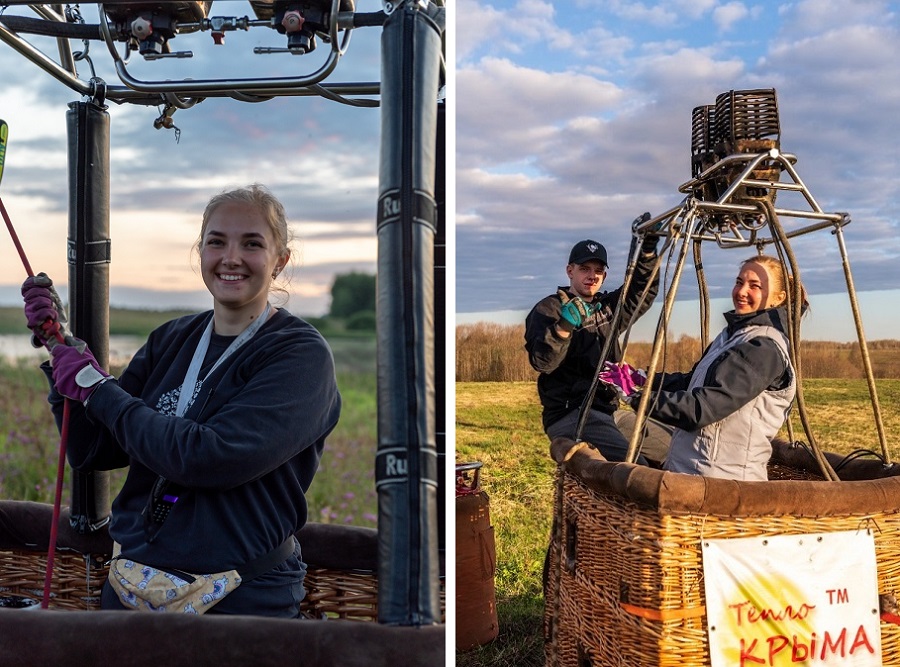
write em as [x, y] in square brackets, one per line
[190, 378]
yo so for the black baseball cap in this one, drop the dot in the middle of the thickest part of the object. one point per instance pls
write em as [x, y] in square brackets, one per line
[587, 250]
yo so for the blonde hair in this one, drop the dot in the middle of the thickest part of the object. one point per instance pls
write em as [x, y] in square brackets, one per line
[779, 278]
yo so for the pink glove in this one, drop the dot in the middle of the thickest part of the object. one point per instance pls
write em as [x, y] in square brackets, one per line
[43, 308]
[624, 378]
[76, 372]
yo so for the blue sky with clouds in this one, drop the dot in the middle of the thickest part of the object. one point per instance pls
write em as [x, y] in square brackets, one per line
[319, 157]
[571, 119]
[575, 117]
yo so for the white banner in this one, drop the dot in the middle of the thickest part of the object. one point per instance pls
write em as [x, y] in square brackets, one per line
[793, 599]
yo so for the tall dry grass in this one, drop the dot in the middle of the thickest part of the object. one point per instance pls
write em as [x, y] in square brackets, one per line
[491, 353]
[496, 353]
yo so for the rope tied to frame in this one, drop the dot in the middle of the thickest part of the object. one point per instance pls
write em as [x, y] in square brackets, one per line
[63, 436]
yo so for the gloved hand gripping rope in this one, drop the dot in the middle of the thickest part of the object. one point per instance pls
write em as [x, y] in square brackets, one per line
[76, 372]
[46, 319]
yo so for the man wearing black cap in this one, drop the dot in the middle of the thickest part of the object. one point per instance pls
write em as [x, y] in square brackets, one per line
[565, 334]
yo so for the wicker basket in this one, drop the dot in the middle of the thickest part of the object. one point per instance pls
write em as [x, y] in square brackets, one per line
[625, 577]
[351, 595]
[76, 583]
[78, 579]
[341, 580]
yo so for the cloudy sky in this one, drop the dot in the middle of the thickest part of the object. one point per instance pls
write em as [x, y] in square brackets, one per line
[319, 157]
[573, 118]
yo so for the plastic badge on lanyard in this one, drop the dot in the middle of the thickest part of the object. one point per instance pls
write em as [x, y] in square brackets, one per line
[164, 495]
[190, 385]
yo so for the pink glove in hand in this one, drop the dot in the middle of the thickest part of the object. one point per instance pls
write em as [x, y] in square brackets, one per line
[76, 372]
[624, 378]
[42, 307]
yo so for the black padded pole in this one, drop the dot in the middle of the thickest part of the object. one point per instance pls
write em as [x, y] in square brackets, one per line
[88, 255]
[440, 327]
[406, 460]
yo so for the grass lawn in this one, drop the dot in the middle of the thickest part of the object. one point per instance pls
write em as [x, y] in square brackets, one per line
[499, 425]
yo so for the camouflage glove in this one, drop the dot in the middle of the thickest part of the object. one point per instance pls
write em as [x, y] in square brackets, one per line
[573, 313]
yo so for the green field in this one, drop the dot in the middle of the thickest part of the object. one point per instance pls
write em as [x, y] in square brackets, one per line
[498, 423]
[122, 321]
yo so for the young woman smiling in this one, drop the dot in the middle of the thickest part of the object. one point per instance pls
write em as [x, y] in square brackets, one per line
[725, 411]
[221, 418]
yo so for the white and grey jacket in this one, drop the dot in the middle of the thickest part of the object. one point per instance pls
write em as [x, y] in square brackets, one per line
[735, 399]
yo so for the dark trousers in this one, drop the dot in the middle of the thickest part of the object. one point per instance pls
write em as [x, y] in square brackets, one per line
[610, 434]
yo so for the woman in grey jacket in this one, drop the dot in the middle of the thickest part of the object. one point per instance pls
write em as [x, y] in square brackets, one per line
[728, 407]
[221, 417]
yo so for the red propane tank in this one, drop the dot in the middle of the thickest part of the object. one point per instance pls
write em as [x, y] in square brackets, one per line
[476, 561]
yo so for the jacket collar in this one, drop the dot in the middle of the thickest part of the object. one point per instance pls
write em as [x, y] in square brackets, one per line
[769, 317]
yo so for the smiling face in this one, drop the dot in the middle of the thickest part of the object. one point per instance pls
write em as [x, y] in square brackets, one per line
[586, 279]
[752, 290]
[238, 259]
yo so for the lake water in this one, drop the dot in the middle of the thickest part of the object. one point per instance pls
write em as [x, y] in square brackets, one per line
[18, 346]
[354, 355]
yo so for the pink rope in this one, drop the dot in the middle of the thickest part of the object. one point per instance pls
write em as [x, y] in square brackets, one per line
[63, 437]
[15, 239]
[57, 505]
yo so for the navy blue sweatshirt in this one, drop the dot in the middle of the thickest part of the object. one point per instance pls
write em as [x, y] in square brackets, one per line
[243, 455]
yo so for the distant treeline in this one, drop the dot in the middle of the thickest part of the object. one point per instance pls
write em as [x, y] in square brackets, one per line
[138, 322]
[496, 353]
